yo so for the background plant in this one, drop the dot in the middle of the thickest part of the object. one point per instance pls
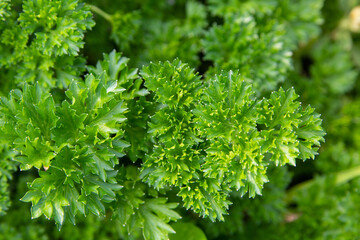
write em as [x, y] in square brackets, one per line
[193, 119]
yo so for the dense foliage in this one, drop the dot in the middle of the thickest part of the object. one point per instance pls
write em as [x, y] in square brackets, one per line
[179, 119]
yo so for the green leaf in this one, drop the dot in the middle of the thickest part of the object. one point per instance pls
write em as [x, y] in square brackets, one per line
[58, 203]
[32, 196]
[156, 213]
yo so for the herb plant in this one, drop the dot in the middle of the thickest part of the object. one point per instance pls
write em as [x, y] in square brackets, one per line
[178, 119]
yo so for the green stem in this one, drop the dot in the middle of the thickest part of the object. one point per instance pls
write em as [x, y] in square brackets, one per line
[100, 12]
[340, 178]
[347, 175]
[230, 88]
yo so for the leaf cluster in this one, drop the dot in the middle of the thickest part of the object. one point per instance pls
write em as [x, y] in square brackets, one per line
[191, 125]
